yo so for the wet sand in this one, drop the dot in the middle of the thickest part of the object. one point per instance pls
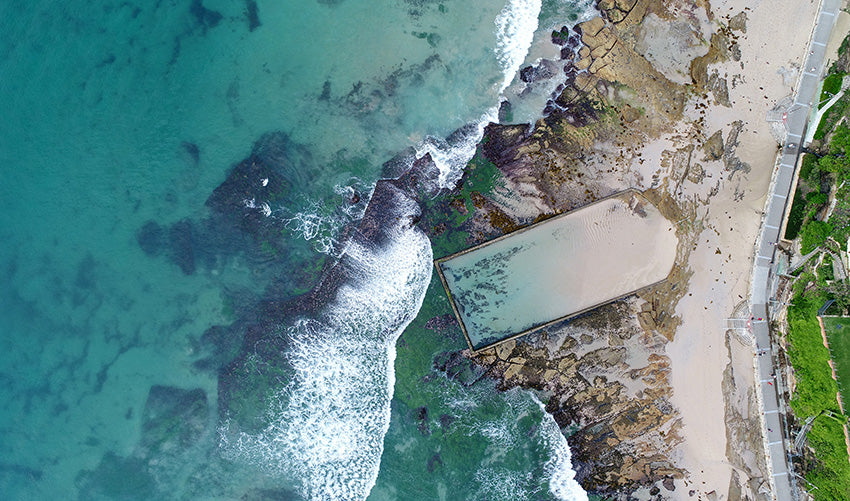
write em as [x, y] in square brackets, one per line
[722, 260]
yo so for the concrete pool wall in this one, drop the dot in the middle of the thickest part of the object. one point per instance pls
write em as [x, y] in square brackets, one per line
[558, 268]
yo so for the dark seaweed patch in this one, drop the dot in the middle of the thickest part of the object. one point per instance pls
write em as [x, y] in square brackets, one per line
[192, 150]
[253, 15]
[205, 17]
[183, 252]
[150, 238]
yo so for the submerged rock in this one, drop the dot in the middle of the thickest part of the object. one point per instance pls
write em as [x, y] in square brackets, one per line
[182, 246]
[434, 463]
[173, 422]
[205, 17]
[192, 150]
[116, 477]
[150, 238]
[173, 419]
[459, 368]
[253, 15]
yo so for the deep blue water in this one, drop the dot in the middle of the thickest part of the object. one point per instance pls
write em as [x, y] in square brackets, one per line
[122, 282]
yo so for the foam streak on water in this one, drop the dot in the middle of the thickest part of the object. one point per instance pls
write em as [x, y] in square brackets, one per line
[559, 468]
[515, 27]
[327, 427]
[500, 475]
[451, 157]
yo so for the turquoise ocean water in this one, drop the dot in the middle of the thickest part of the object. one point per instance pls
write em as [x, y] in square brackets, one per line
[120, 119]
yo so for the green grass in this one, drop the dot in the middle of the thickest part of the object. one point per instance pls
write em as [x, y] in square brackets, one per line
[838, 333]
[831, 117]
[831, 86]
[815, 387]
[816, 392]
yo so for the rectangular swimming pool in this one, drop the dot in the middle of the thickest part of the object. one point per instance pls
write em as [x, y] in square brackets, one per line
[558, 268]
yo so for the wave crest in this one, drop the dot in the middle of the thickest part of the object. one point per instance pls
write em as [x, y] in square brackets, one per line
[326, 427]
[515, 27]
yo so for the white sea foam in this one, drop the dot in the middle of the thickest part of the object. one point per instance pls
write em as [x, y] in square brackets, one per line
[515, 27]
[559, 468]
[501, 484]
[451, 159]
[326, 428]
[314, 226]
[321, 224]
[354, 211]
[263, 206]
[507, 438]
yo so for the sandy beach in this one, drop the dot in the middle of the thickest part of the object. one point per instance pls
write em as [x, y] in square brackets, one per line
[663, 392]
[722, 260]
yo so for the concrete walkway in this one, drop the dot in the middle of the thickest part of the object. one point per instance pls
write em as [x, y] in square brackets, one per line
[777, 439]
[819, 115]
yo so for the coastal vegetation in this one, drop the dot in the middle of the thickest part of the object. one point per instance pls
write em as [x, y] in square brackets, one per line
[820, 218]
[831, 87]
[823, 180]
[838, 333]
[826, 468]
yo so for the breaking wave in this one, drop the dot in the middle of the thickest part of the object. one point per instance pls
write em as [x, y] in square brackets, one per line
[452, 154]
[316, 227]
[321, 223]
[326, 428]
[559, 468]
[505, 429]
[515, 27]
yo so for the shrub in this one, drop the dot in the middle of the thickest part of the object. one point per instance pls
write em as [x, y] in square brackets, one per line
[839, 144]
[832, 163]
[825, 272]
[813, 234]
[831, 117]
[809, 168]
[796, 215]
[817, 198]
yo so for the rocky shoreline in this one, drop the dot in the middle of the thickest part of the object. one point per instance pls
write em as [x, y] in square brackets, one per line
[638, 83]
[606, 373]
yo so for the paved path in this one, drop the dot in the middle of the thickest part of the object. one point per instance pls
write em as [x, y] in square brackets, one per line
[777, 441]
[821, 112]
